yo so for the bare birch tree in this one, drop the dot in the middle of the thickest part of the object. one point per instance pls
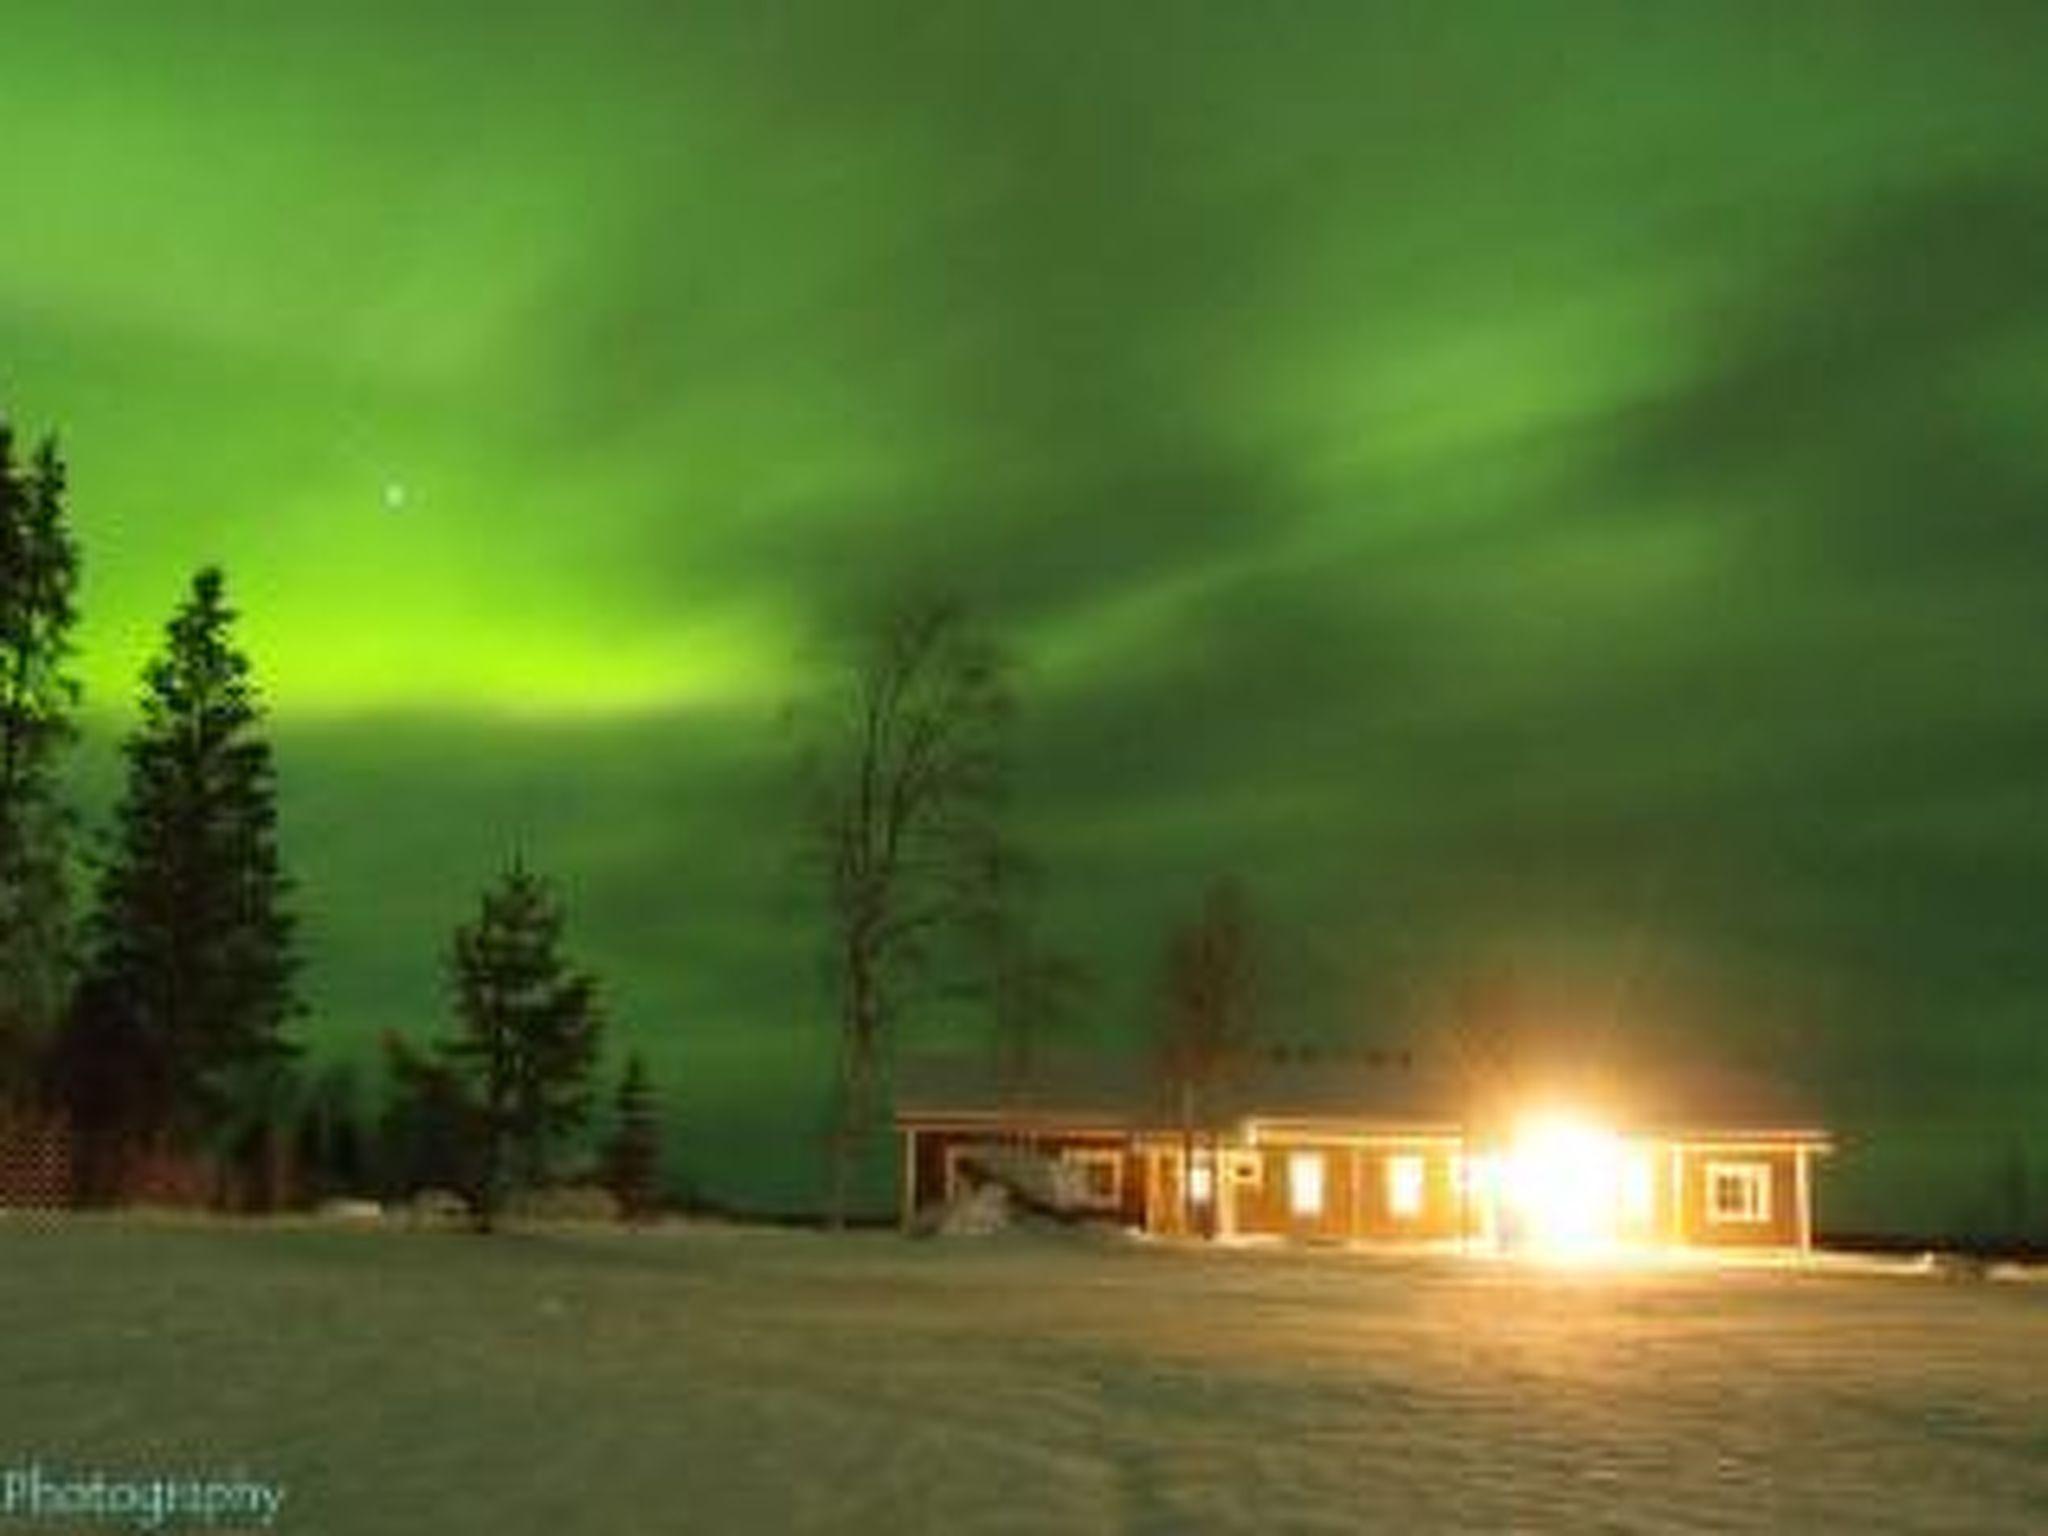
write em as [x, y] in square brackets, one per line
[903, 798]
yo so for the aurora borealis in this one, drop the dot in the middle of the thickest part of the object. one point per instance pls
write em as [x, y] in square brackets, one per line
[1545, 487]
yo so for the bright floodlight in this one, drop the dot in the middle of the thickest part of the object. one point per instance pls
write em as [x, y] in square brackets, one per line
[1563, 1181]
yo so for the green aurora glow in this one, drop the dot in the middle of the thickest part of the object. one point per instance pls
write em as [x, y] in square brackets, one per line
[1552, 484]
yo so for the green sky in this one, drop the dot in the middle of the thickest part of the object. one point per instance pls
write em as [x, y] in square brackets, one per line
[1552, 491]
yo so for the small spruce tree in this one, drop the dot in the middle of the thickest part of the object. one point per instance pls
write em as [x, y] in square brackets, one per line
[634, 1163]
[527, 1035]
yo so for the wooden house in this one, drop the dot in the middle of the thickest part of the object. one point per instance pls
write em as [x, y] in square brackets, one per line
[1369, 1148]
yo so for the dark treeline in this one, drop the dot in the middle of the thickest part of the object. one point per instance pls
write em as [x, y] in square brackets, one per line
[152, 1026]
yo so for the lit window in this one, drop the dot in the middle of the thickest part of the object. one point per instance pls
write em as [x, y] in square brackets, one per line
[1201, 1185]
[1305, 1183]
[1738, 1192]
[1404, 1184]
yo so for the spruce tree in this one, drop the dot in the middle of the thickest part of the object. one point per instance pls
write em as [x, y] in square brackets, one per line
[188, 985]
[527, 1034]
[38, 580]
[635, 1160]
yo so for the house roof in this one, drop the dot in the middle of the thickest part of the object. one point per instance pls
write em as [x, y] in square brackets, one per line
[1368, 1088]
[1125, 1089]
[1665, 1097]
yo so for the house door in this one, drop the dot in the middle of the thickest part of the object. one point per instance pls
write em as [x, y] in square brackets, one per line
[1166, 1210]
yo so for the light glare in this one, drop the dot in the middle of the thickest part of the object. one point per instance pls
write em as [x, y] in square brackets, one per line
[1564, 1181]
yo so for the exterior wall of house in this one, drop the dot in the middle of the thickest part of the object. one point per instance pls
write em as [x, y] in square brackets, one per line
[1132, 1213]
[1273, 1204]
[925, 1157]
[1358, 1193]
[1719, 1192]
[1164, 1209]
[1438, 1217]
[1758, 1203]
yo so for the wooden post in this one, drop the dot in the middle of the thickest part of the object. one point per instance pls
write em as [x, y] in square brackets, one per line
[1459, 1167]
[908, 1194]
[1803, 1194]
[1223, 1188]
[1357, 1191]
[1677, 1232]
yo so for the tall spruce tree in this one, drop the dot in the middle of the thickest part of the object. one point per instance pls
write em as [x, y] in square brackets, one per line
[527, 1034]
[634, 1164]
[178, 1030]
[38, 580]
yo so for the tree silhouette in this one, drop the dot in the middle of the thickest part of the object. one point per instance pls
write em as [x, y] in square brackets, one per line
[428, 1134]
[38, 580]
[527, 1034]
[328, 1141]
[1209, 999]
[901, 820]
[634, 1163]
[178, 1028]
[1030, 990]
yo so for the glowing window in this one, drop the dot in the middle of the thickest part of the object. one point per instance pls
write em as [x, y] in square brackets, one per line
[1305, 1183]
[1404, 1184]
[1201, 1184]
[1738, 1192]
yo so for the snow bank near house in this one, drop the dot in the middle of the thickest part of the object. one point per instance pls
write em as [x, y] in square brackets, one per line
[349, 1210]
[1008, 1185]
[2020, 1274]
[977, 1213]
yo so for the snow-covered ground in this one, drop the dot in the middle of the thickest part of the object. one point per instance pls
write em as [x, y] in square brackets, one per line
[1021, 1387]
[739, 1381]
